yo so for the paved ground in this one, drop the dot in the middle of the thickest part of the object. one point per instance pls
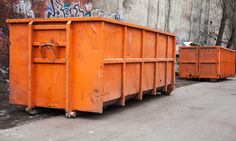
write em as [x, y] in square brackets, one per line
[11, 116]
[200, 112]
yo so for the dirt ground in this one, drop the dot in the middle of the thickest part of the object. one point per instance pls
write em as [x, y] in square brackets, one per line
[11, 115]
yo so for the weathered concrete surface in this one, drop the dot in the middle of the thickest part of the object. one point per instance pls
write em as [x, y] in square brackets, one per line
[190, 20]
[200, 112]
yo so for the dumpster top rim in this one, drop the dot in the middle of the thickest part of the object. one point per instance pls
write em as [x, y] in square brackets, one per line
[186, 47]
[38, 20]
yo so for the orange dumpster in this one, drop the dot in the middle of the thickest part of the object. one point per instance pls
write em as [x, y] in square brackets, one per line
[208, 62]
[83, 64]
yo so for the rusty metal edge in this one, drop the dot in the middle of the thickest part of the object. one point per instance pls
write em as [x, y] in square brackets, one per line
[187, 47]
[18, 21]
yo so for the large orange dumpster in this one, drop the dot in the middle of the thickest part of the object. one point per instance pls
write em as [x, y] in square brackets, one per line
[209, 62]
[82, 64]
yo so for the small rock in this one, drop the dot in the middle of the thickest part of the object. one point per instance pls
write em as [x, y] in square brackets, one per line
[3, 112]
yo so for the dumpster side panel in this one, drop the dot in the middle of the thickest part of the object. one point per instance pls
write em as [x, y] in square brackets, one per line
[48, 65]
[112, 82]
[149, 51]
[136, 61]
[133, 67]
[208, 62]
[223, 62]
[161, 68]
[134, 43]
[132, 85]
[150, 42]
[227, 63]
[161, 54]
[86, 66]
[48, 85]
[188, 62]
[113, 50]
[148, 76]
[18, 64]
[171, 54]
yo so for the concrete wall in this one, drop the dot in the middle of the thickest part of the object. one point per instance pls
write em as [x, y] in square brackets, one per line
[191, 20]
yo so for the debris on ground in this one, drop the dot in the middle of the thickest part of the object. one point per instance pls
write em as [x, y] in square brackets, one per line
[4, 79]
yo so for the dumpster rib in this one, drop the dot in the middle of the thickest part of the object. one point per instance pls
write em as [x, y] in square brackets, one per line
[68, 85]
[101, 83]
[123, 94]
[174, 65]
[154, 92]
[49, 27]
[167, 47]
[30, 32]
[219, 62]
[140, 95]
[197, 60]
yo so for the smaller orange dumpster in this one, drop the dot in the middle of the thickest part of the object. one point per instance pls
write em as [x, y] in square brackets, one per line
[208, 62]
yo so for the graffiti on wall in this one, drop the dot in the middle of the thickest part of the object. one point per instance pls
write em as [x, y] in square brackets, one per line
[25, 7]
[57, 8]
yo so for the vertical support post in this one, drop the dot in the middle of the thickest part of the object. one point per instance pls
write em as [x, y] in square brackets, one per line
[166, 68]
[174, 63]
[140, 95]
[197, 61]
[234, 57]
[68, 77]
[101, 71]
[30, 97]
[219, 63]
[122, 100]
[154, 92]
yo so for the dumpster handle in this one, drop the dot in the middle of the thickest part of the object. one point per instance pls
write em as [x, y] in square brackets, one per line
[53, 46]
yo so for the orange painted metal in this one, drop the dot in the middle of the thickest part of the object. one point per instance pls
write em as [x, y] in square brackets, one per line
[210, 62]
[82, 64]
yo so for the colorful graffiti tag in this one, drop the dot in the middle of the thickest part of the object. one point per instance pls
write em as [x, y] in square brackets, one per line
[58, 8]
[25, 7]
